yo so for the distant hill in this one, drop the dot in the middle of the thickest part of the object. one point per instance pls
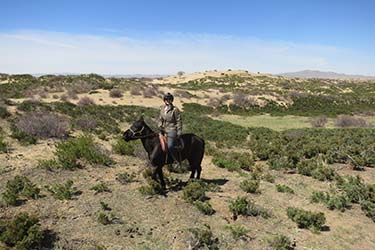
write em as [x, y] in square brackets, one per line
[323, 74]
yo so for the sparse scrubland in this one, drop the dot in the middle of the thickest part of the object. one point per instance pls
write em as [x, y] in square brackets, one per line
[289, 164]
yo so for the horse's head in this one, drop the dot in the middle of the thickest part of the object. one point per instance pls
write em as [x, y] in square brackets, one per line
[135, 131]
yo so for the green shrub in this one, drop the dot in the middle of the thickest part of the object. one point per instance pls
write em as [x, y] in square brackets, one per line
[125, 178]
[284, 189]
[356, 190]
[306, 219]
[243, 206]
[23, 232]
[64, 191]
[71, 152]
[204, 207]
[19, 186]
[4, 112]
[202, 238]
[194, 191]
[238, 232]
[105, 206]
[105, 218]
[221, 162]
[281, 242]
[332, 201]
[22, 137]
[49, 165]
[100, 188]
[369, 208]
[124, 148]
[268, 177]
[250, 186]
[3, 145]
[152, 188]
[324, 173]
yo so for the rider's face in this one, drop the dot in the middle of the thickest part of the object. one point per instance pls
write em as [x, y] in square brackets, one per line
[168, 102]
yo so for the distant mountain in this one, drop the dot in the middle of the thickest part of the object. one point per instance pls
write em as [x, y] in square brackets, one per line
[323, 74]
[105, 75]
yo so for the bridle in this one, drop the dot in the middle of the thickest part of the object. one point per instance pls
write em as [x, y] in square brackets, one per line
[140, 132]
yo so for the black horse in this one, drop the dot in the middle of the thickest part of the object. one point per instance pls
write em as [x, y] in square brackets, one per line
[193, 149]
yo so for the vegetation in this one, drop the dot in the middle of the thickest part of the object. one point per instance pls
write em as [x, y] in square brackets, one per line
[250, 186]
[238, 232]
[125, 178]
[22, 233]
[243, 206]
[202, 238]
[284, 189]
[72, 152]
[64, 191]
[306, 219]
[19, 187]
[281, 242]
[100, 188]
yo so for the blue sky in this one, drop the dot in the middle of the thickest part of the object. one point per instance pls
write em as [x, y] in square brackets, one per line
[166, 36]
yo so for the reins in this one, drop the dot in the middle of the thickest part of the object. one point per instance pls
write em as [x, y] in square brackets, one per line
[139, 132]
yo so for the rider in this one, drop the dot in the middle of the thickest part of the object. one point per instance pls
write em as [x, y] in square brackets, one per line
[170, 124]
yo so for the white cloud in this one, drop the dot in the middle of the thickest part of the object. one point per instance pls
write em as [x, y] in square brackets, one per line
[53, 52]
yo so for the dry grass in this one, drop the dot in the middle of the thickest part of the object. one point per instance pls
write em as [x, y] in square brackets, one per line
[43, 125]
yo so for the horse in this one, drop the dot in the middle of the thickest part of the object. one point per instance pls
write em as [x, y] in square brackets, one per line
[192, 151]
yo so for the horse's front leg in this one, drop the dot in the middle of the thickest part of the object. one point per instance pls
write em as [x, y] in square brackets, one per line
[159, 171]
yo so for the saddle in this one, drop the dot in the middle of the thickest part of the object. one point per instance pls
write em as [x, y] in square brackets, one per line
[163, 142]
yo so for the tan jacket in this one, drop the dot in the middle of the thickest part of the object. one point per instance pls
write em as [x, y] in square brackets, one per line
[170, 119]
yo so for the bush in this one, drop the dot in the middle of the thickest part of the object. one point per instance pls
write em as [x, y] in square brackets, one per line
[250, 186]
[149, 92]
[244, 101]
[152, 188]
[116, 93]
[238, 232]
[105, 218]
[194, 191]
[85, 101]
[19, 186]
[120, 146]
[284, 189]
[136, 90]
[306, 219]
[355, 189]
[49, 165]
[23, 232]
[3, 145]
[202, 238]
[43, 125]
[72, 152]
[319, 122]
[281, 242]
[369, 208]
[64, 191]
[350, 121]
[242, 206]
[204, 207]
[332, 201]
[22, 137]
[100, 188]
[125, 178]
[86, 123]
[4, 112]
